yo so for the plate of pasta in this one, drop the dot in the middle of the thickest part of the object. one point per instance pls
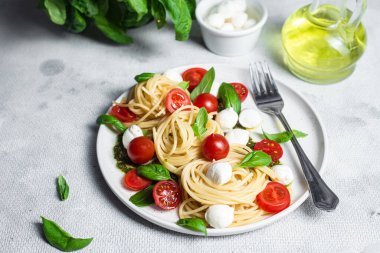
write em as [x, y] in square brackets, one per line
[188, 150]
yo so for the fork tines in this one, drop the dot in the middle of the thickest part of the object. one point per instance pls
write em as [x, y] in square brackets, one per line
[262, 79]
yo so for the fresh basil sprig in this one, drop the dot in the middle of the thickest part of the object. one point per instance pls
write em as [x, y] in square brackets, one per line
[143, 77]
[56, 10]
[255, 158]
[184, 85]
[195, 224]
[111, 120]
[143, 197]
[283, 136]
[199, 126]
[59, 238]
[153, 171]
[62, 188]
[229, 97]
[205, 85]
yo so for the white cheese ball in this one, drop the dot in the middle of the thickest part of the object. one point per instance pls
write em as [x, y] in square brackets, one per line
[284, 174]
[227, 119]
[219, 172]
[131, 133]
[219, 216]
[173, 75]
[250, 118]
[227, 27]
[240, 5]
[250, 22]
[238, 136]
[227, 9]
[239, 19]
[216, 20]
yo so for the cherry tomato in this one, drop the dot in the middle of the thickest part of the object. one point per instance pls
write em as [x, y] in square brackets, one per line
[272, 148]
[274, 198]
[241, 90]
[123, 114]
[208, 101]
[193, 76]
[175, 99]
[167, 195]
[141, 150]
[134, 182]
[215, 146]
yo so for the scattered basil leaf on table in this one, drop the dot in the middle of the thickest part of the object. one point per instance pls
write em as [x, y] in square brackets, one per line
[62, 188]
[56, 10]
[159, 13]
[255, 158]
[283, 136]
[195, 224]
[75, 22]
[153, 171]
[229, 97]
[143, 77]
[184, 85]
[191, 5]
[111, 120]
[205, 85]
[138, 6]
[112, 31]
[199, 126]
[59, 238]
[87, 7]
[143, 197]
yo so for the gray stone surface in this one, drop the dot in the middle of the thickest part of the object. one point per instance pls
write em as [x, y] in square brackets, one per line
[54, 84]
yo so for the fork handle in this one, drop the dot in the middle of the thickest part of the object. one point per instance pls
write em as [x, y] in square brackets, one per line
[323, 197]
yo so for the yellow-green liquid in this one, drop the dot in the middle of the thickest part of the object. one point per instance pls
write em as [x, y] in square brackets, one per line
[320, 47]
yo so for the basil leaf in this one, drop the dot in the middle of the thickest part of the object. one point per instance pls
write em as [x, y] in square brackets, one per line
[199, 126]
[62, 188]
[75, 22]
[138, 6]
[132, 20]
[191, 5]
[283, 136]
[229, 97]
[112, 31]
[87, 7]
[59, 238]
[56, 10]
[299, 134]
[155, 172]
[143, 198]
[143, 77]
[111, 120]
[195, 224]
[184, 85]
[254, 159]
[205, 85]
[159, 13]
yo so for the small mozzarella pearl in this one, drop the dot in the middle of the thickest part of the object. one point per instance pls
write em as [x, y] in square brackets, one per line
[227, 27]
[250, 22]
[227, 9]
[216, 20]
[239, 19]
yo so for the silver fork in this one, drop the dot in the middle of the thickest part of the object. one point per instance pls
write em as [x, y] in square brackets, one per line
[268, 100]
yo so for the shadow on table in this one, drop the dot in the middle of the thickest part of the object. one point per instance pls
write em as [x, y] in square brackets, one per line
[271, 37]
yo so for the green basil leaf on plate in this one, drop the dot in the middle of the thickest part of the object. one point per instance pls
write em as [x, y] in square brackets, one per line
[111, 120]
[111, 30]
[159, 13]
[60, 239]
[87, 7]
[229, 97]
[56, 10]
[199, 126]
[205, 85]
[299, 134]
[283, 136]
[153, 171]
[195, 224]
[254, 159]
[143, 77]
[143, 197]
[184, 85]
[62, 188]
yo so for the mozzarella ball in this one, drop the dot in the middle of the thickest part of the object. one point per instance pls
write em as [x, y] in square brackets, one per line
[238, 136]
[216, 20]
[227, 9]
[227, 119]
[219, 172]
[284, 174]
[250, 22]
[250, 118]
[239, 19]
[173, 75]
[240, 5]
[219, 216]
[227, 27]
[131, 133]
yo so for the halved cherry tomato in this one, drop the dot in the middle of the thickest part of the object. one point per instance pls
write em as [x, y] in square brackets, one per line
[141, 150]
[134, 182]
[208, 101]
[123, 114]
[215, 146]
[193, 76]
[167, 195]
[274, 198]
[175, 99]
[241, 90]
[270, 147]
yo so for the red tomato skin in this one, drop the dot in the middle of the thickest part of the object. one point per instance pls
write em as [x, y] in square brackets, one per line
[141, 150]
[241, 90]
[208, 101]
[215, 147]
[274, 198]
[270, 147]
[134, 182]
[123, 114]
[175, 99]
[193, 76]
[169, 190]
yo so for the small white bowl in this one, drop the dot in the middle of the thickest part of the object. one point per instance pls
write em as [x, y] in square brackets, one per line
[232, 43]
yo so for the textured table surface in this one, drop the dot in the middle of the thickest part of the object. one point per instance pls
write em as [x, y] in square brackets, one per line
[54, 84]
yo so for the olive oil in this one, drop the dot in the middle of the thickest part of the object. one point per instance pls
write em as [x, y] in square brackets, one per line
[321, 46]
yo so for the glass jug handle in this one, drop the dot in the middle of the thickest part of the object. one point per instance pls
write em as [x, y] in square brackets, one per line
[361, 6]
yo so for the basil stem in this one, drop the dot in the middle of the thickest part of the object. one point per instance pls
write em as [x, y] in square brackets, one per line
[143, 77]
[199, 126]
[195, 224]
[143, 197]
[111, 120]
[205, 85]
[155, 172]
[62, 188]
[229, 97]
[254, 159]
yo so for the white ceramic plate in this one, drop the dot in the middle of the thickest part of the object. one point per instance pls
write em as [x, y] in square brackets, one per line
[298, 111]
